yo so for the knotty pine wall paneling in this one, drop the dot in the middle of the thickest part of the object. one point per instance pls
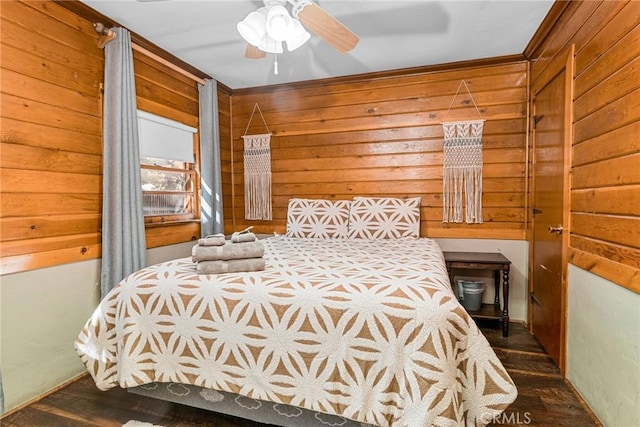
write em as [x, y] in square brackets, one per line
[224, 116]
[383, 137]
[51, 146]
[605, 164]
[51, 162]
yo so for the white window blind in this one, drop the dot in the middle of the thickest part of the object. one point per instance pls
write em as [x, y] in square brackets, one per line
[162, 138]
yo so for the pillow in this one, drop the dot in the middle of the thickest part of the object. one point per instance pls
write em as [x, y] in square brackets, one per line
[384, 218]
[318, 218]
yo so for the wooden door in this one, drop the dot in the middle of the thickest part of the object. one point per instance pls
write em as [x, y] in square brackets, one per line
[550, 183]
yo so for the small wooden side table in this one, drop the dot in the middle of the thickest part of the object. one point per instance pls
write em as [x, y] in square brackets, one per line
[485, 261]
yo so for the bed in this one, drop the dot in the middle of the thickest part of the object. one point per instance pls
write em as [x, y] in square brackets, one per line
[352, 322]
[366, 330]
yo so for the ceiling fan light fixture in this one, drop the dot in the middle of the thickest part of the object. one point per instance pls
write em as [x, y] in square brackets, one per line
[297, 36]
[279, 23]
[269, 45]
[253, 27]
[267, 29]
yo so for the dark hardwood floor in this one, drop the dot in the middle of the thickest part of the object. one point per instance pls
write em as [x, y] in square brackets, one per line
[543, 397]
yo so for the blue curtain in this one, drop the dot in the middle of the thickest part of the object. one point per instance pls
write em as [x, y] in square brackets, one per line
[123, 238]
[211, 218]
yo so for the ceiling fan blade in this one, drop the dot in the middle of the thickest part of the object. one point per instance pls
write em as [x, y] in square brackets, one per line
[327, 27]
[252, 52]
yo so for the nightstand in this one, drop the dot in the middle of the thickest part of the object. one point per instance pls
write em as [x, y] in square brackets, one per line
[485, 261]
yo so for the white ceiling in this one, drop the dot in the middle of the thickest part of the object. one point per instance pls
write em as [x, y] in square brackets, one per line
[393, 35]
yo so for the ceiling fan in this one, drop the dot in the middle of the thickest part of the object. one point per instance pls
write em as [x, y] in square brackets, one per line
[270, 27]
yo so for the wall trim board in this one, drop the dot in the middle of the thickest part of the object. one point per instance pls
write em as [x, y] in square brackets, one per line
[466, 233]
[584, 404]
[620, 274]
[167, 63]
[549, 23]
[402, 72]
[156, 236]
[43, 395]
[36, 260]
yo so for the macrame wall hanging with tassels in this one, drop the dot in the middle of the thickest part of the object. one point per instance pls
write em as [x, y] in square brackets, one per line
[462, 167]
[257, 172]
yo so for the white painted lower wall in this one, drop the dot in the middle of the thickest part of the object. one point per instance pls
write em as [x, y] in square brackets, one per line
[517, 251]
[604, 347]
[41, 313]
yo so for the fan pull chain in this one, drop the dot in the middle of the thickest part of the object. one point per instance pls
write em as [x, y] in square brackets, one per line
[275, 64]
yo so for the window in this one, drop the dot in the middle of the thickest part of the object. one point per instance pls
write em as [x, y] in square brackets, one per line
[169, 184]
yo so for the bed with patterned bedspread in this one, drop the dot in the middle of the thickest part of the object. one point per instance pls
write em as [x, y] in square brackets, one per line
[369, 330]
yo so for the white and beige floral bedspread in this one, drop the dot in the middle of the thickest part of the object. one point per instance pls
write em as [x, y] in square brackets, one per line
[366, 329]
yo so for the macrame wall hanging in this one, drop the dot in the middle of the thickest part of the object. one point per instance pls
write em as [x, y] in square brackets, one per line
[257, 172]
[462, 167]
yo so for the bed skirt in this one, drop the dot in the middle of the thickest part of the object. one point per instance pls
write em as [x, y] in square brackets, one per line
[242, 407]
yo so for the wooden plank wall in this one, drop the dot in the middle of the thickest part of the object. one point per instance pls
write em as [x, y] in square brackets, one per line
[224, 115]
[51, 146]
[167, 93]
[381, 136]
[605, 168]
[51, 162]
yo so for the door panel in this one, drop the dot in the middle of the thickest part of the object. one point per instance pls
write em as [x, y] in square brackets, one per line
[548, 199]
